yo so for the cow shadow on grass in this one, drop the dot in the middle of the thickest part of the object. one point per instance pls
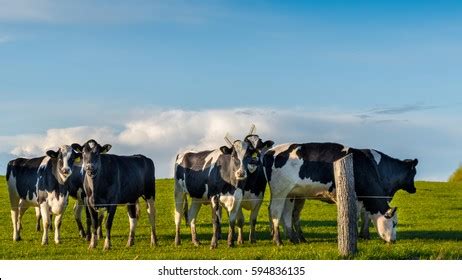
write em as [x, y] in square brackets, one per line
[431, 235]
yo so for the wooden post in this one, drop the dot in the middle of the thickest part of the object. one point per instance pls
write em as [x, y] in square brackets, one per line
[347, 212]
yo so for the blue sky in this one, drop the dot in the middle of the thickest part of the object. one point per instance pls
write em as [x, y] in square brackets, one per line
[109, 64]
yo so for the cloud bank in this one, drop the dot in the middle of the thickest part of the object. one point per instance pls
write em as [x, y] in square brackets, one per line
[161, 134]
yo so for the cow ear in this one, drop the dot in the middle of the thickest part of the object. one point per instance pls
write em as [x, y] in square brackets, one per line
[391, 212]
[268, 144]
[415, 162]
[225, 150]
[106, 148]
[77, 147]
[52, 154]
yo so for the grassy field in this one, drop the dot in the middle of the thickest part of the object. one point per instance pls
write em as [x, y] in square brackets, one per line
[430, 227]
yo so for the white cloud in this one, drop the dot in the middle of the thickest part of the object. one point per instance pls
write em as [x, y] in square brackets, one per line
[161, 134]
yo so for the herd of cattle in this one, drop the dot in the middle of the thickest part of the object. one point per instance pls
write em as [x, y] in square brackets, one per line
[232, 177]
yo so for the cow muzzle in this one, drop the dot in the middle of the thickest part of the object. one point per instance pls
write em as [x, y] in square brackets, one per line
[66, 171]
[240, 174]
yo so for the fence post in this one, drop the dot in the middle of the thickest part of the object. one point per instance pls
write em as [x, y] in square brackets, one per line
[347, 212]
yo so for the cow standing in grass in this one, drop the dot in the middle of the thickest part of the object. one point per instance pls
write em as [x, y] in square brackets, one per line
[394, 175]
[41, 182]
[211, 177]
[254, 188]
[297, 171]
[111, 180]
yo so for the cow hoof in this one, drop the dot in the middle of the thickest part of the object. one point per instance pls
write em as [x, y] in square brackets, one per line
[303, 240]
[240, 242]
[153, 242]
[88, 237]
[230, 244]
[213, 246]
[44, 243]
[107, 245]
[177, 242]
[253, 241]
[130, 243]
[82, 234]
[196, 243]
[57, 242]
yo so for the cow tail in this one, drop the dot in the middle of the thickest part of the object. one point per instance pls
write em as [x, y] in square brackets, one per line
[8, 170]
[185, 210]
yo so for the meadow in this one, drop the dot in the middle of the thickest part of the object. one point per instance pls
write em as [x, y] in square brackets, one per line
[430, 227]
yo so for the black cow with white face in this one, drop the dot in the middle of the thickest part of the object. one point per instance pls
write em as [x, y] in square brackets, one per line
[211, 177]
[41, 182]
[111, 180]
[255, 186]
[394, 175]
[297, 171]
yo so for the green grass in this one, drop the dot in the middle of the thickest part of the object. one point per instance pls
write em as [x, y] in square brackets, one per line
[430, 227]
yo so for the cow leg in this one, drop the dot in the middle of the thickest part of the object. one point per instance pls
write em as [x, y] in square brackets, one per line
[94, 222]
[240, 226]
[195, 207]
[287, 218]
[51, 219]
[78, 206]
[253, 219]
[298, 207]
[38, 218]
[44, 209]
[131, 209]
[88, 217]
[15, 217]
[99, 231]
[22, 210]
[216, 212]
[110, 217]
[276, 208]
[58, 221]
[233, 212]
[152, 220]
[219, 216]
[180, 201]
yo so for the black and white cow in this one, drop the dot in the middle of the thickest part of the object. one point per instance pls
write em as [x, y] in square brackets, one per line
[111, 180]
[215, 177]
[306, 170]
[41, 182]
[394, 175]
[76, 191]
[255, 186]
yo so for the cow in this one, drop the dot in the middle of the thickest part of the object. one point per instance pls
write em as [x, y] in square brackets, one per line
[41, 182]
[211, 177]
[394, 175]
[75, 188]
[112, 180]
[297, 171]
[255, 186]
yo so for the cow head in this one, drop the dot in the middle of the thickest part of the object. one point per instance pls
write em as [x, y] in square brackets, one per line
[66, 156]
[241, 155]
[386, 224]
[258, 148]
[91, 153]
[408, 182]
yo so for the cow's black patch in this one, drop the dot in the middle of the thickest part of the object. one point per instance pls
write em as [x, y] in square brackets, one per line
[281, 158]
